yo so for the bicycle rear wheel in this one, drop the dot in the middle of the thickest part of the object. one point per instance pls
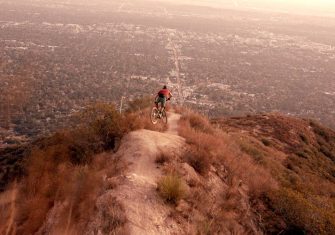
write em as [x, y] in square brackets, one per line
[154, 115]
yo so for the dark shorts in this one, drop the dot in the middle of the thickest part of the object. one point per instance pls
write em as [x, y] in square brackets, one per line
[161, 100]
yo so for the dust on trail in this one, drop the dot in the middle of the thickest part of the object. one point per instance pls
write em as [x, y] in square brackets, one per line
[145, 210]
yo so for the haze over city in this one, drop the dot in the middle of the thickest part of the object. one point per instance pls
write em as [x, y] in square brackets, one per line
[167, 117]
[234, 59]
[293, 6]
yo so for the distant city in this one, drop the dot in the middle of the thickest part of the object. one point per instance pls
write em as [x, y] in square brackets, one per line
[55, 58]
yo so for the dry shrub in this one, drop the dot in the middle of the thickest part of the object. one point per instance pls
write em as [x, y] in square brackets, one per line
[163, 157]
[208, 142]
[199, 159]
[140, 104]
[231, 214]
[266, 142]
[47, 183]
[226, 152]
[317, 186]
[303, 213]
[66, 169]
[306, 202]
[205, 228]
[105, 123]
[8, 210]
[113, 217]
[171, 188]
[141, 120]
[241, 167]
[180, 109]
[137, 115]
[196, 122]
[251, 149]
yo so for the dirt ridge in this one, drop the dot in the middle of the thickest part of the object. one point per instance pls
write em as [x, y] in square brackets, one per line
[145, 210]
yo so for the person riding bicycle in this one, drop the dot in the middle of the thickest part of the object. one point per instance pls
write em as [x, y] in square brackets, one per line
[162, 96]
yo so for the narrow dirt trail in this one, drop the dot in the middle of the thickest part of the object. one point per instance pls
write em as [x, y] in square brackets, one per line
[146, 212]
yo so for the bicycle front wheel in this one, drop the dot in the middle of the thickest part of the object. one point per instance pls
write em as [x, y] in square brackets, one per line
[154, 115]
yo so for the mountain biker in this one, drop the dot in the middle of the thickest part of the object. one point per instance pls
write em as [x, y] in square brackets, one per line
[162, 96]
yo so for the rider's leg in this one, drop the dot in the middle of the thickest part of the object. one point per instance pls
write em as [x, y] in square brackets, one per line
[163, 103]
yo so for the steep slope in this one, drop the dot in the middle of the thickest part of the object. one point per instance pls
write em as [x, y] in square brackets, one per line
[300, 154]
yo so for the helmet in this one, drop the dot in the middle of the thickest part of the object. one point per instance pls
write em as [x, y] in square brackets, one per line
[164, 87]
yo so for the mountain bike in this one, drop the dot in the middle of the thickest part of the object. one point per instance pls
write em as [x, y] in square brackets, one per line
[158, 114]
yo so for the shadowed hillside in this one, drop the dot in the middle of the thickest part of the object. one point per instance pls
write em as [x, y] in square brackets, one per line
[300, 154]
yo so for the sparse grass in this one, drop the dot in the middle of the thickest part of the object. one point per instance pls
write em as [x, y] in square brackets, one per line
[205, 228]
[171, 188]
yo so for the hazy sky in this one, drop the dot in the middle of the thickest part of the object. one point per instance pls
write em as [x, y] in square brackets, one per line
[298, 6]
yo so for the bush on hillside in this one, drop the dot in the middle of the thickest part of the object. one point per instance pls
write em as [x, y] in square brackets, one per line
[257, 154]
[140, 104]
[197, 122]
[301, 212]
[216, 148]
[103, 121]
[163, 157]
[113, 217]
[66, 169]
[171, 188]
[266, 142]
[199, 159]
